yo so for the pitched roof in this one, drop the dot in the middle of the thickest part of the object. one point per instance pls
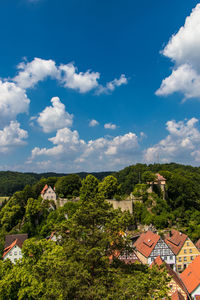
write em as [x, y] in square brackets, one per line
[44, 189]
[175, 240]
[177, 296]
[158, 261]
[198, 244]
[160, 177]
[12, 237]
[16, 242]
[146, 243]
[191, 275]
[197, 297]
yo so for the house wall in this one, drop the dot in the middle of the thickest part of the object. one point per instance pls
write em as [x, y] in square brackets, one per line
[196, 292]
[173, 287]
[186, 255]
[14, 254]
[141, 257]
[49, 194]
[165, 253]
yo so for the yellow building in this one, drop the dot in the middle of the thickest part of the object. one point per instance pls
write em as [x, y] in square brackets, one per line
[183, 248]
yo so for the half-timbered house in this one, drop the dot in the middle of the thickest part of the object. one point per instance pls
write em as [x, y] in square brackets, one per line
[150, 245]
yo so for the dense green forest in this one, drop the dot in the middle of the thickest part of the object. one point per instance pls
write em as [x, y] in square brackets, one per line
[11, 182]
[94, 227]
[82, 264]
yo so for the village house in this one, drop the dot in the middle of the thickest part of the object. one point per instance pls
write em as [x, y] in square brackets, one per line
[13, 246]
[48, 193]
[150, 245]
[191, 278]
[183, 248]
[177, 289]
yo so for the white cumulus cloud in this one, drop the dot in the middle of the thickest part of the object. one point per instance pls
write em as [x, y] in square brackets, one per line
[103, 153]
[111, 86]
[12, 135]
[110, 126]
[30, 73]
[182, 141]
[93, 123]
[54, 117]
[13, 101]
[83, 82]
[184, 50]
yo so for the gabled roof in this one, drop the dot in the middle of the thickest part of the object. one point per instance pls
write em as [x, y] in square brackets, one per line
[158, 261]
[16, 242]
[12, 237]
[175, 240]
[191, 275]
[44, 189]
[160, 177]
[146, 243]
[177, 296]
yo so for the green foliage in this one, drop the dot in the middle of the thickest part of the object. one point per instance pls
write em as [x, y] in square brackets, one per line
[78, 267]
[140, 191]
[148, 177]
[109, 187]
[68, 185]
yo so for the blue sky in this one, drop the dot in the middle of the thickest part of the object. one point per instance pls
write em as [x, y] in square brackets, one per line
[98, 85]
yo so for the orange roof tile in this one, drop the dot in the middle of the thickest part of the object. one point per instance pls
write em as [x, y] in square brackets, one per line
[176, 240]
[158, 261]
[197, 297]
[146, 243]
[160, 177]
[177, 296]
[44, 189]
[191, 275]
[16, 242]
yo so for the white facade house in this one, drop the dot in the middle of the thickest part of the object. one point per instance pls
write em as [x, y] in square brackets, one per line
[48, 193]
[13, 252]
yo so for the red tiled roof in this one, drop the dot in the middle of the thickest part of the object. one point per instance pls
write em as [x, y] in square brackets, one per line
[44, 189]
[16, 242]
[198, 244]
[160, 177]
[177, 296]
[191, 275]
[197, 297]
[146, 243]
[158, 261]
[176, 240]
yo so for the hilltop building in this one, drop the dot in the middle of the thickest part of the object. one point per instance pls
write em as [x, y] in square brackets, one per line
[48, 193]
[13, 246]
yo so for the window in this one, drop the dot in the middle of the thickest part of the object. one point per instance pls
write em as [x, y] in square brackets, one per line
[185, 251]
[165, 258]
[185, 258]
[171, 257]
[179, 259]
[190, 250]
[20, 252]
[152, 259]
[192, 258]
[179, 267]
[15, 253]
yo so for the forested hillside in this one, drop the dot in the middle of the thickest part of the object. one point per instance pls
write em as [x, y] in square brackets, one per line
[11, 182]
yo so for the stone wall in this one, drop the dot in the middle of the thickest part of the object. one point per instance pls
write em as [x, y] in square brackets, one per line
[124, 204]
